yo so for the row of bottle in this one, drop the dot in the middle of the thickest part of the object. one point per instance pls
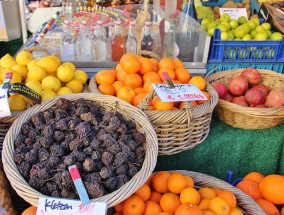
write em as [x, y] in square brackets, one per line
[106, 43]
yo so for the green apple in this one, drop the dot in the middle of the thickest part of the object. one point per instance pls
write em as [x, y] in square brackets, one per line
[224, 36]
[269, 33]
[233, 24]
[222, 28]
[256, 21]
[241, 20]
[243, 53]
[228, 26]
[259, 28]
[239, 32]
[247, 27]
[247, 37]
[237, 38]
[266, 26]
[217, 22]
[270, 53]
[210, 31]
[251, 24]
[205, 22]
[211, 25]
[276, 36]
[261, 36]
[225, 18]
[232, 53]
[253, 33]
[231, 35]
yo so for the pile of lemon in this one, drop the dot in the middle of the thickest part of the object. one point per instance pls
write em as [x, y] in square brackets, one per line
[46, 76]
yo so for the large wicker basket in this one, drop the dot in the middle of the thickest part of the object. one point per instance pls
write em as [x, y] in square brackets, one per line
[109, 103]
[179, 130]
[245, 202]
[249, 117]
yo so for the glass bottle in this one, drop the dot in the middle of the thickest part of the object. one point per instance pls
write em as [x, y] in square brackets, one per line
[100, 43]
[147, 41]
[84, 43]
[171, 41]
[118, 43]
[131, 42]
[155, 34]
[108, 43]
[68, 45]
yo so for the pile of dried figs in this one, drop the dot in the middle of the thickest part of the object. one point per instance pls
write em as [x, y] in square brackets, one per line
[104, 145]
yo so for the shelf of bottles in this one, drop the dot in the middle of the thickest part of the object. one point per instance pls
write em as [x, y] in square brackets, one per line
[101, 35]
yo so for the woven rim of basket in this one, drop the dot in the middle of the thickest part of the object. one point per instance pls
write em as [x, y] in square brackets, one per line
[245, 202]
[31, 195]
[267, 75]
[37, 49]
[149, 54]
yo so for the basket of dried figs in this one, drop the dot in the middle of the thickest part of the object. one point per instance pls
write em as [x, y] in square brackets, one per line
[112, 143]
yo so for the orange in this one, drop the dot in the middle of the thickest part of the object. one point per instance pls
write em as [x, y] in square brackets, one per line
[117, 85]
[127, 94]
[165, 213]
[178, 64]
[30, 211]
[254, 176]
[182, 75]
[282, 211]
[267, 206]
[229, 197]
[204, 204]
[176, 183]
[160, 181]
[133, 80]
[118, 213]
[155, 63]
[198, 81]
[148, 87]
[159, 105]
[206, 193]
[236, 211]
[217, 190]
[139, 90]
[272, 188]
[152, 208]
[203, 101]
[250, 188]
[155, 196]
[118, 207]
[130, 63]
[134, 205]
[144, 192]
[138, 99]
[146, 66]
[189, 181]
[207, 212]
[151, 76]
[219, 206]
[105, 77]
[120, 75]
[187, 208]
[149, 180]
[190, 195]
[171, 73]
[166, 63]
[170, 202]
[106, 89]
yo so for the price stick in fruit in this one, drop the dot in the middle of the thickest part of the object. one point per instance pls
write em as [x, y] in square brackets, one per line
[7, 79]
[168, 80]
[76, 178]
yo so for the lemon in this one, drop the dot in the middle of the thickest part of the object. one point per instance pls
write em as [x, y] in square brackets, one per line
[48, 94]
[64, 91]
[48, 64]
[1, 82]
[65, 73]
[35, 86]
[75, 85]
[24, 57]
[32, 63]
[51, 83]
[50, 74]
[21, 70]
[27, 80]
[71, 65]
[81, 75]
[57, 59]
[7, 61]
[16, 77]
[17, 102]
[36, 73]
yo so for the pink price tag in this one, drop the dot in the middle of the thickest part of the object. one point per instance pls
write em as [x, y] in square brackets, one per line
[166, 75]
[74, 172]
[168, 80]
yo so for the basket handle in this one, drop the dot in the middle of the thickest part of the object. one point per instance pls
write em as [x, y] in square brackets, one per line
[36, 48]
[149, 54]
[210, 72]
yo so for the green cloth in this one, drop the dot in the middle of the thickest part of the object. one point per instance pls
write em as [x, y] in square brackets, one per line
[228, 148]
[10, 47]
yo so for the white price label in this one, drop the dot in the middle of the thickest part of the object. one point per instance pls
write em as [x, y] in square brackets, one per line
[234, 13]
[58, 206]
[180, 92]
[4, 104]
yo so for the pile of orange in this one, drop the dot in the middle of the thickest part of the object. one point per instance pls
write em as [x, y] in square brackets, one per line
[133, 77]
[267, 191]
[172, 193]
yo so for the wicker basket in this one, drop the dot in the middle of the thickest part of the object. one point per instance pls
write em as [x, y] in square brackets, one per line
[245, 202]
[249, 117]
[109, 103]
[183, 129]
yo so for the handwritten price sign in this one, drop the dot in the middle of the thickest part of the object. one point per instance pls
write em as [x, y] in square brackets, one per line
[56, 206]
[180, 92]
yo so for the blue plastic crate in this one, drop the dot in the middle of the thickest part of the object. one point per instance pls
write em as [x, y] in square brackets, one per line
[219, 3]
[276, 67]
[245, 51]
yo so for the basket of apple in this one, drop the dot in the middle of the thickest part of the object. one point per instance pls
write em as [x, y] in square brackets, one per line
[249, 98]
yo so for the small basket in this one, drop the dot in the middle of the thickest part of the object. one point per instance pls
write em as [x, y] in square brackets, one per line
[179, 130]
[92, 86]
[108, 103]
[249, 117]
[245, 202]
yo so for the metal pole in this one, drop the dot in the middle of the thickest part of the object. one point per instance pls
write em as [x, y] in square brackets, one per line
[23, 20]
